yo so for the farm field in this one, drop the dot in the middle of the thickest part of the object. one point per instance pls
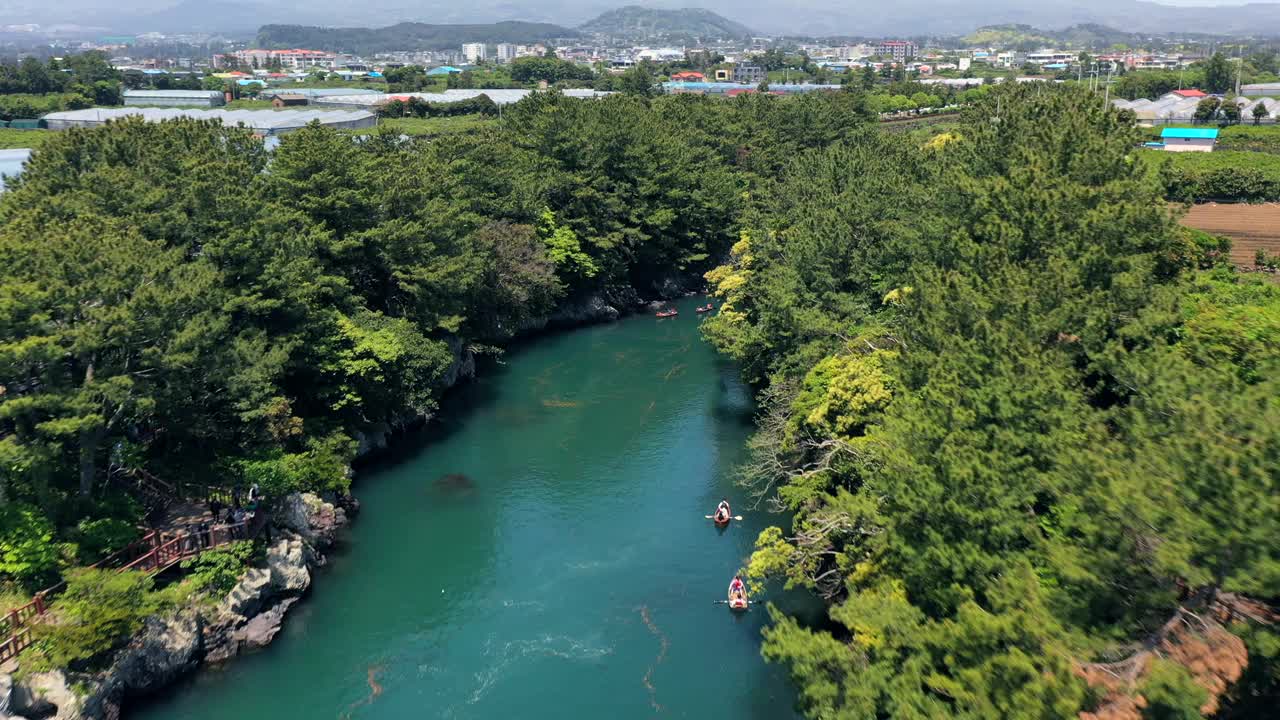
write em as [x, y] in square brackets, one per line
[1250, 227]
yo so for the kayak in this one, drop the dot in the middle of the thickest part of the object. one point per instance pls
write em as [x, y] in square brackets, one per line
[738, 601]
[667, 314]
[721, 521]
[706, 309]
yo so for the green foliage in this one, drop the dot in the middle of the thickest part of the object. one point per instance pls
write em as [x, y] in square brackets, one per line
[11, 138]
[531, 70]
[434, 126]
[1218, 77]
[1011, 419]
[1222, 175]
[322, 467]
[28, 554]
[1171, 693]
[1207, 110]
[101, 537]
[33, 106]
[99, 610]
[215, 572]
[842, 395]
[564, 250]
[416, 107]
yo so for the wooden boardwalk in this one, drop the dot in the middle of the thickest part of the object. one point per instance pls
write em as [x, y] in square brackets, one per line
[157, 552]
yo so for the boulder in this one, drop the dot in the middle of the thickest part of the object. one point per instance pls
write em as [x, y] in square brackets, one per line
[287, 566]
[315, 520]
[247, 596]
[262, 629]
[590, 310]
[463, 366]
[167, 648]
[6, 691]
[373, 438]
[46, 695]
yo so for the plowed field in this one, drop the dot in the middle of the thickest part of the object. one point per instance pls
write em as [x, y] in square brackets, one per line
[1249, 226]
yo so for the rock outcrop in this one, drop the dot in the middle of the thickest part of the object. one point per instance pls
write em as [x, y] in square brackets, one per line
[288, 566]
[6, 692]
[46, 695]
[314, 520]
[252, 613]
[262, 628]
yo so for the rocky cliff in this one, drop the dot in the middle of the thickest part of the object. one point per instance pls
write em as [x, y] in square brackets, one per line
[248, 617]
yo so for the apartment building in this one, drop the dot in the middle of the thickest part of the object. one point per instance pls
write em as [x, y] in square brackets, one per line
[474, 52]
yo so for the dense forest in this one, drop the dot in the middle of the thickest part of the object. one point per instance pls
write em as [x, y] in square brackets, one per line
[1026, 424]
[180, 306]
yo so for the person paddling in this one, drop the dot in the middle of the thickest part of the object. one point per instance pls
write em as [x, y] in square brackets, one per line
[722, 510]
[737, 591]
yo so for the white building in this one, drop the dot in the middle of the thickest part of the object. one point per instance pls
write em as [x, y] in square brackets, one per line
[474, 52]
[174, 98]
[297, 59]
[899, 50]
[507, 52]
[1009, 59]
[261, 122]
[1051, 57]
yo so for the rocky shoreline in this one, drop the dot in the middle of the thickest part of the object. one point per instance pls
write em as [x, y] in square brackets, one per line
[303, 526]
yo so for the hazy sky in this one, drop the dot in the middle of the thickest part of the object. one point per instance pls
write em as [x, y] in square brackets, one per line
[852, 17]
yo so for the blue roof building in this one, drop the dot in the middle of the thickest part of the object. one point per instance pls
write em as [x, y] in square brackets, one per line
[1190, 133]
[443, 70]
[1189, 139]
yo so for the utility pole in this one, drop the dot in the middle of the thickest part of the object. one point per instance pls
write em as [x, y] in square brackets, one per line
[1106, 96]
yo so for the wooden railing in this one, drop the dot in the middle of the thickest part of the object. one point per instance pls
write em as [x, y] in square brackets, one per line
[155, 553]
[15, 644]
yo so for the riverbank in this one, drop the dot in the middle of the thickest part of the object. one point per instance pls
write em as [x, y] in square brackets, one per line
[303, 529]
[540, 550]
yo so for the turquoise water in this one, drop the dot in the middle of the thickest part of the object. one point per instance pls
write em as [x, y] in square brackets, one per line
[570, 573]
[11, 162]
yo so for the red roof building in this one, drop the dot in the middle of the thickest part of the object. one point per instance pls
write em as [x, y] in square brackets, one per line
[1192, 93]
[688, 76]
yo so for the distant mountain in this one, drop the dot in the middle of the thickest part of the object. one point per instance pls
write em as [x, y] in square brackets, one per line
[1026, 37]
[635, 21]
[407, 36]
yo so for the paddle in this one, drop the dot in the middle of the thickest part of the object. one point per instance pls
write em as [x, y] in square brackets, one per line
[735, 517]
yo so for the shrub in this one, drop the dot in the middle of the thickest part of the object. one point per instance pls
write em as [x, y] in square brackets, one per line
[1171, 693]
[101, 537]
[217, 571]
[322, 467]
[1221, 175]
[99, 611]
[28, 554]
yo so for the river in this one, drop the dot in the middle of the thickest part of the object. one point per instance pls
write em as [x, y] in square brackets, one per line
[540, 552]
